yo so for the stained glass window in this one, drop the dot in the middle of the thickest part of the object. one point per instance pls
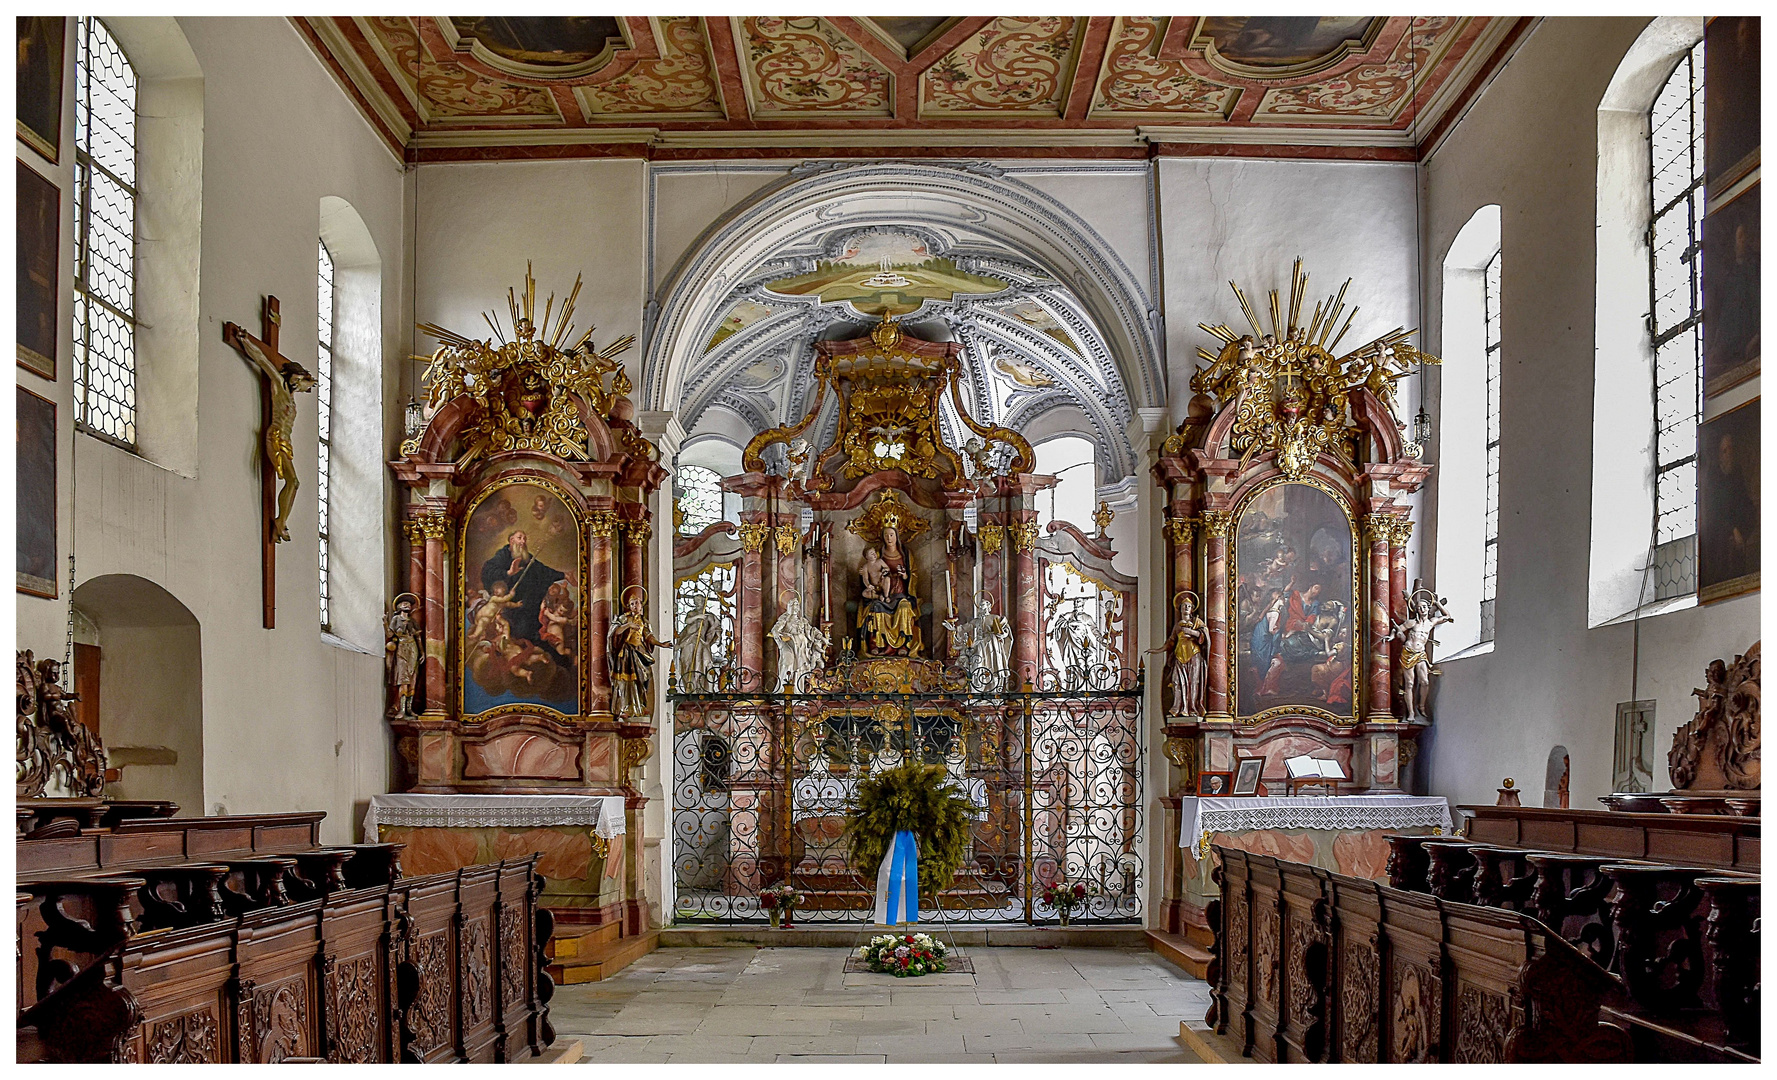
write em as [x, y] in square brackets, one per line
[324, 407]
[104, 235]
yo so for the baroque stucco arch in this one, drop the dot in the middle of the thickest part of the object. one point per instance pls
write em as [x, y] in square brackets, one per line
[967, 197]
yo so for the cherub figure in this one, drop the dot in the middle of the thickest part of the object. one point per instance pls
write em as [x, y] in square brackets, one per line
[489, 615]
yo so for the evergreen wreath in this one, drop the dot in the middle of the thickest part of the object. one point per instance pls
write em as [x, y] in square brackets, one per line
[915, 798]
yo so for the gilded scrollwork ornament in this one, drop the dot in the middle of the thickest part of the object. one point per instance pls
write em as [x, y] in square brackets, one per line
[752, 535]
[1291, 394]
[530, 389]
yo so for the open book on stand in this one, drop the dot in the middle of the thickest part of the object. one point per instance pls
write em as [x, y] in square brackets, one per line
[1306, 768]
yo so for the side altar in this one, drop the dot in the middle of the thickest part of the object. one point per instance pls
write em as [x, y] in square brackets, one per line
[1293, 631]
[526, 512]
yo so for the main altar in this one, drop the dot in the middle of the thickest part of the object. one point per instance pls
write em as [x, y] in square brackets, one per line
[887, 596]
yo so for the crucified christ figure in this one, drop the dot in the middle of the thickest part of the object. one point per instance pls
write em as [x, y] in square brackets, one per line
[286, 382]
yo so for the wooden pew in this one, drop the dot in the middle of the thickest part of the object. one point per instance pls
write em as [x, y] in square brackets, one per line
[1316, 966]
[1722, 841]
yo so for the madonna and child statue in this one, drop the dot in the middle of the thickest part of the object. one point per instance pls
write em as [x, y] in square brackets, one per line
[888, 613]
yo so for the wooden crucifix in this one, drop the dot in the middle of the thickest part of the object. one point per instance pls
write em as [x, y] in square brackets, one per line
[281, 380]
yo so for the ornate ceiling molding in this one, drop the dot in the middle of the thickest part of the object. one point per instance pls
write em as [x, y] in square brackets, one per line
[684, 86]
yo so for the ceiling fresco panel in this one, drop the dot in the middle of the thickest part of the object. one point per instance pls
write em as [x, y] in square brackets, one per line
[1371, 91]
[1135, 81]
[1010, 67]
[797, 67]
[448, 92]
[681, 84]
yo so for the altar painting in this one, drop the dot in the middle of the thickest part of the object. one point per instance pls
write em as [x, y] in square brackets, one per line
[1293, 600]
[521, 588]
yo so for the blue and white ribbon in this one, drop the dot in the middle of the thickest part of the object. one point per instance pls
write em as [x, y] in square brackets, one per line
[897, 882]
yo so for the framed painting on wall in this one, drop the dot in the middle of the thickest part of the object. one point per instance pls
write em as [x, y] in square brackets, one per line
[1295, 586]
[36, 494]
[41, 48]
[1731, 301]
[522, 609]
[1728, 504]
[39, 266]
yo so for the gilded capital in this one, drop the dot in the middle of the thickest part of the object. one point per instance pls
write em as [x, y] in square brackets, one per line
[435, 526]
[787, 536]
[1400, 532]
[1024, 536]
[602, 523]
[992, 537]
[752, 535]
[1218, 523]
[639, 531]
[416, 533]
[1181, 529]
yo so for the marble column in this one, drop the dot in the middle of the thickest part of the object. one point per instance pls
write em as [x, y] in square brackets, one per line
[1216, 526]
[749, 631]
[1381, 673]
[416, 563]
[990, 541]
[1181, 531]
[436, 528]
[636, 533]
[1399, 531]
[1027, 626]
[599, 596]
[787, 542]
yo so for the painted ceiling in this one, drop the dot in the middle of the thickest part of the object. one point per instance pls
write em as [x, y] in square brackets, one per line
[455, 87]
[1028, 346]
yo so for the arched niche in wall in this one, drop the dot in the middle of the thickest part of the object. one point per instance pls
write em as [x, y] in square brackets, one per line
[356, 474]
[149, 705]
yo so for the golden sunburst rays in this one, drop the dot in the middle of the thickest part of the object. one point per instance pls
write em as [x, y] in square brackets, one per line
[521, 308]
[1324, 322]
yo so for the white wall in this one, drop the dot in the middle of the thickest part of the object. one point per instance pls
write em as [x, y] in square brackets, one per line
[1529, 144]
[289, 721]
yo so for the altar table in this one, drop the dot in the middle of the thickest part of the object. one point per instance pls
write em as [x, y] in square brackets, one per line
[580, 839]
[1201, 817]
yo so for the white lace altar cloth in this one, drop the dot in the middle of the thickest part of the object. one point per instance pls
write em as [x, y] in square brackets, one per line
[603, 812]
[1201, 817]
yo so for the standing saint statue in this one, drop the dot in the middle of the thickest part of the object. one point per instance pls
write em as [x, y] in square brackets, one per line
[1187, 672]
[1078, 648]
[801, 647]
[629, 656]
[405, 650]
[699, 637]
[1424, 616]
[286, 382]
[984, 643]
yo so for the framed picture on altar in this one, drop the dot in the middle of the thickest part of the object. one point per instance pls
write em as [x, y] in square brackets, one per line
[1246, 775]
[1215, 783]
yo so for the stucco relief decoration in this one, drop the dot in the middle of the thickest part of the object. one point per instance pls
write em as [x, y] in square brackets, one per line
[1292, 394]
[448, 90]
[531, 388]
[1011, 65]
[682, 82]
[1136, 80]
[1370, 91]
[805, 65]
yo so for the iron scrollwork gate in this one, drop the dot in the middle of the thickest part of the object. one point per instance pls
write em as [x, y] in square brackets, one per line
[762, 783]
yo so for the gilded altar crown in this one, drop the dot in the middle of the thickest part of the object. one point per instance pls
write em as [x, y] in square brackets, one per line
[1292, 395]
[526, 388]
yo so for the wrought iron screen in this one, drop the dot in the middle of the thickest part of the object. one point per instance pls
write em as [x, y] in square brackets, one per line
[762, 783]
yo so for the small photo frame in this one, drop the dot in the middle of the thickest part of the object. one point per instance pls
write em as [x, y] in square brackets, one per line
[1214, 784]
[1246, 775]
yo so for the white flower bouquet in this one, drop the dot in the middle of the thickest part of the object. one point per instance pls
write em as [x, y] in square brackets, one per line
[903, 955]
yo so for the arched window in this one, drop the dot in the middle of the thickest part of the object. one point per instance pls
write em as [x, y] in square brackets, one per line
[324, 315]
[1647, 326]
[1675, 149]
[1073, 462]
[1468, 490]
[699, 498]
[104, 235]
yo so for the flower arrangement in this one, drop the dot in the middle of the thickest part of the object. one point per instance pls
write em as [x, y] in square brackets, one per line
[779, 901]
[1064, 895]
[902, 955]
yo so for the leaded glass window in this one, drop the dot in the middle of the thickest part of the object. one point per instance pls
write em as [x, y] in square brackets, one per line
[1490, 564]
[104, 235]
[324, 408]
[699, 498]
[1675, 238]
